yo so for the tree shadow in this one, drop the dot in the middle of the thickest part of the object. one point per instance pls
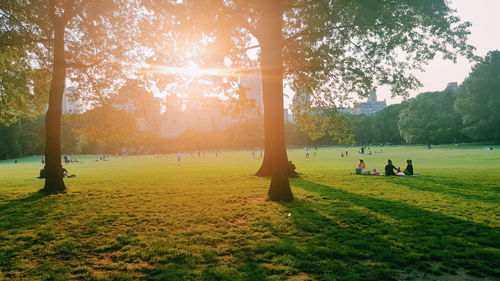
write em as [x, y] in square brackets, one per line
[19, 226]
[340, 235]
[15, 202]
[357, 237]
[452, 187]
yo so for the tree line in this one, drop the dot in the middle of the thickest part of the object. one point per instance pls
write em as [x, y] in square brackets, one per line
[449, 116]
[26, 137]
[469, 114]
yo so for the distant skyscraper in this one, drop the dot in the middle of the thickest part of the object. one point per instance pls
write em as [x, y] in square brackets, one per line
[70, 103]
[300, 102]
[199, 112]
[172, 123]
[452, 87]
[252, 83]
[370, 107]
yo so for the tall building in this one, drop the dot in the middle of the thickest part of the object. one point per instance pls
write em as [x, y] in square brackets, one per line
[172, 123]
[299, 101]
[452, 87]
[144, 107]
[206, 113]
[370, 107]
[251, 83]
[70, 103]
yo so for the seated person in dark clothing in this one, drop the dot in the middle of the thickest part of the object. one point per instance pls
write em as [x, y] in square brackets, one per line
[409, 168]
[389, 169]
[291, 170]
[64, 172]
[42, 173]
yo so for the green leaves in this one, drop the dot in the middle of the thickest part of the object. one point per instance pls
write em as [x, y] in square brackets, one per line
[431, 119]
[478, 100]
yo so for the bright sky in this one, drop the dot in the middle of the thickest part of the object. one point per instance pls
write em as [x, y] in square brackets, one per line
[485, 36]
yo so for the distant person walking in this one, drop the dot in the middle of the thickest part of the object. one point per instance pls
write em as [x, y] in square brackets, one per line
[179, 157]
[346, 151]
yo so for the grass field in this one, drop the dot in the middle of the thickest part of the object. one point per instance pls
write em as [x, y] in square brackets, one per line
[151, 218]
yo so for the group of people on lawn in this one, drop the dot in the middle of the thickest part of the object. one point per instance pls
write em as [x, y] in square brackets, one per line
[390, 169]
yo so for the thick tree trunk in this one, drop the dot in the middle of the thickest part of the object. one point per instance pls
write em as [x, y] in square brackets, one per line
[272, 74]
[54, 178]
[265, 169]
[266, 166]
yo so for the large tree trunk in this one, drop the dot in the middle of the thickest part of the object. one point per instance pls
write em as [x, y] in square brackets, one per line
[272, 74]
[265, 169]
[54, 178]
[266, 166]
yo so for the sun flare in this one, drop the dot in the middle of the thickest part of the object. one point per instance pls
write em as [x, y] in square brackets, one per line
[193, 70]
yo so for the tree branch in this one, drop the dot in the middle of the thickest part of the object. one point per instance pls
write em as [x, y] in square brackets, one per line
[81, 65]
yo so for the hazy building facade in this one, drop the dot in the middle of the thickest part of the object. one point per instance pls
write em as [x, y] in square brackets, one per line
[198, 112]
[144, 107]
[452, 87]
[370, 107]
[70, 102]
[251, 83]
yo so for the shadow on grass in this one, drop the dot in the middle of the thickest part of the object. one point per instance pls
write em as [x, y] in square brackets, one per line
[341, 235]
[452, 187]
[337, 235]
[349, 236]
[19, 227]
[31, 198]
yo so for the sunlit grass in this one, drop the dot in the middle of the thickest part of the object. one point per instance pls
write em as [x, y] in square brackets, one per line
[205, 218]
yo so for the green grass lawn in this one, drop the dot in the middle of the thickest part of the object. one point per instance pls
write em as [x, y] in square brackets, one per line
[151, 218]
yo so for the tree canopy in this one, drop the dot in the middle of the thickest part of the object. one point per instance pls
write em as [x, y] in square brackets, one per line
[478, 100]
[430, 119]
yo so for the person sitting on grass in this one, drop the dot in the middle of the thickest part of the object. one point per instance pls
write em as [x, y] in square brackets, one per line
[291, 170]
[409, 168]
[389, 168]
[361, 165]
[66, 174]
[42, 173]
